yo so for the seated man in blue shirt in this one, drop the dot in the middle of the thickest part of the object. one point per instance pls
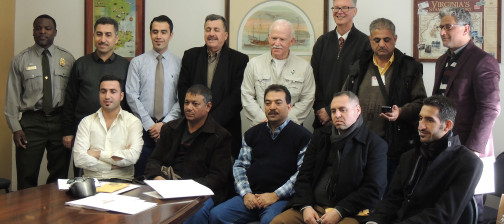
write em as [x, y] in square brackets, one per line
[268, 164]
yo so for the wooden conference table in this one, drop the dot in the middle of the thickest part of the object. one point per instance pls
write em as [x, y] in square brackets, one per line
[46, 204]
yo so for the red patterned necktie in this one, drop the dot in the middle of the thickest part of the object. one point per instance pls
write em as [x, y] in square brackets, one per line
[341, 41]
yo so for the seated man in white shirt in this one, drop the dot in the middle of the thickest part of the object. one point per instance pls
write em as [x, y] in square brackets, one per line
[109, 142]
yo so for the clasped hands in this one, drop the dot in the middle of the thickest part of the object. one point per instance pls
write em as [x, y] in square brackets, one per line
[253, 201]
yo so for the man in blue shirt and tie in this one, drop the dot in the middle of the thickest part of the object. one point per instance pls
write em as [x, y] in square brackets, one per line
[151, 87]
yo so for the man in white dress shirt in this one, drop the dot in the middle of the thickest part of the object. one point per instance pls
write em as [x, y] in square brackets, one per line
[108, 142]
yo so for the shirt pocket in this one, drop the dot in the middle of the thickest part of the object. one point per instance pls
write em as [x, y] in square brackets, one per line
[61, 76]
[32, 81]
[295, 85]
[262, 82]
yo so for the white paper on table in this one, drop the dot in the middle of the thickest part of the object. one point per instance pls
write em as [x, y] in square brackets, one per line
[486, 183]
[112, 202]
[153, 194]
[62, 184]
[179, 188]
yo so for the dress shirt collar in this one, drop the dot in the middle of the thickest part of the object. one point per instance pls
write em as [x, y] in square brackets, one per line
[456, 52]
[165, 54]
[277, 131]
[345, 35]
[213, 58]
[382, 70]
[99, 113]
[99, 60]
[40, 49]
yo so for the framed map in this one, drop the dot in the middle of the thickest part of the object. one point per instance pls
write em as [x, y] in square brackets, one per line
[130, 17]
[249, 22]
[485, 31]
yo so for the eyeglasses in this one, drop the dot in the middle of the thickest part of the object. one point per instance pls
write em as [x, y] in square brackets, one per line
[448, 27]
[343, 8]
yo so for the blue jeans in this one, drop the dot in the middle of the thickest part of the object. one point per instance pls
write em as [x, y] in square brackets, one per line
[201, 216]
[234, 211]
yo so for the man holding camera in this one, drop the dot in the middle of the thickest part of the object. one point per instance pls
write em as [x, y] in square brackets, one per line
[391, 90]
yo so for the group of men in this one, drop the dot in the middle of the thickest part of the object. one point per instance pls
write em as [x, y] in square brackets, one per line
[380, 133]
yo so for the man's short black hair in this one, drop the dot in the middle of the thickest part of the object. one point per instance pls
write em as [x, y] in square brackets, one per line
[107, 20]
[112, 78]
[160, 19]
[45, 16]
[445, 106]
[278, 88]
[201, 90]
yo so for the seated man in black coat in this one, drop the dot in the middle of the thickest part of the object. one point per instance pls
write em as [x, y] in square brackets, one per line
[194, 147]
[435, 182]
[344, 170]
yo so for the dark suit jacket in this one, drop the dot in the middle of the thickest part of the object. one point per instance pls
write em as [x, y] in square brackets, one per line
[440, 195]
[226, 101]
[362, 177]
[331, 71]
[206, 162]
[474, 88]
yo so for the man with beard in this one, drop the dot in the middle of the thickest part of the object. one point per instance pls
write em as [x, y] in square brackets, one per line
[434, 183]
[470, 77]
[387, 78]
[108, 142]
[344, 170]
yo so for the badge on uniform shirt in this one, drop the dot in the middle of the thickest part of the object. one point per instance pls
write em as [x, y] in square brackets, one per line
[29, 68]
[62, 62]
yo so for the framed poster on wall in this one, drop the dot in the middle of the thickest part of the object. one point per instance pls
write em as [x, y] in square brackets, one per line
[129, 14]
[485, 31]
[249, 22]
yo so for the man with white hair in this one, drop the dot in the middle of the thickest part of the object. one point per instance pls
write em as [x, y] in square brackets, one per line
[279, 66]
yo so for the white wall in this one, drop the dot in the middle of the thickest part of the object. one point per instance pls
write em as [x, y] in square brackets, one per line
[188, 18]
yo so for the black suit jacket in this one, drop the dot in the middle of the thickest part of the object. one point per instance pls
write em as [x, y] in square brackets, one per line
[330, 66]
[226, 102]
[440, 195]
[206, 162]
[362, 171]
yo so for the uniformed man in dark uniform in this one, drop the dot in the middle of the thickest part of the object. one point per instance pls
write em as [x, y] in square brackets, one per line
[36, 86]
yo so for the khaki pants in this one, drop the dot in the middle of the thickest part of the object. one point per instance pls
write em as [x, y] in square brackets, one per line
[294, 216]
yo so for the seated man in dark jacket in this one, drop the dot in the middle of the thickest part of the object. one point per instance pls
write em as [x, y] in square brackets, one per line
[194, 147]
[436, 181]
[344, 170]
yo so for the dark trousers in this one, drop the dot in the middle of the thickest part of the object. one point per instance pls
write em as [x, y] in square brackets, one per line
[391, 169]
[42, 133]
[148, 147]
